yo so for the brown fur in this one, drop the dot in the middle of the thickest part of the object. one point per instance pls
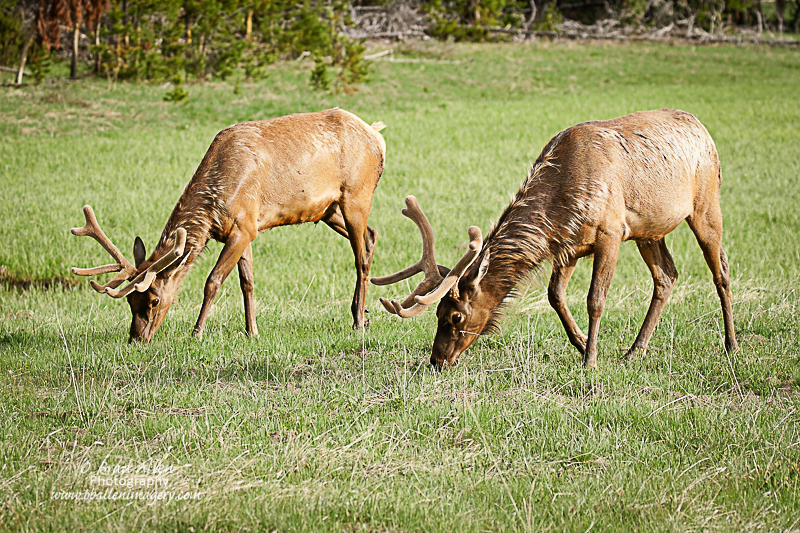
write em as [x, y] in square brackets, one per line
[298, 168]
[594, 186]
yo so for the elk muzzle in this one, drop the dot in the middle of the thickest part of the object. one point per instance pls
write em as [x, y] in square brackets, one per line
[148, 310]
[143, 330]
[448, 345]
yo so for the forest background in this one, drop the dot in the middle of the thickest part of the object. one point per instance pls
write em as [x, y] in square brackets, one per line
[179, 40]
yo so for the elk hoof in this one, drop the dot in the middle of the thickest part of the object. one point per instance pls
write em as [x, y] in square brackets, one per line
[357, 326]
[731, 347]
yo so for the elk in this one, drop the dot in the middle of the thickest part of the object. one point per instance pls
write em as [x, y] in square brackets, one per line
[594, 186]
[304, 167]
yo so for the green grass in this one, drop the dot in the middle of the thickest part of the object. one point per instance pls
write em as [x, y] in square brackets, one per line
[315, 427]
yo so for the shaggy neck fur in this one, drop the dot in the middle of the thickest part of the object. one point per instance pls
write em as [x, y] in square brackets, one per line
[194, 217]
[532, 229]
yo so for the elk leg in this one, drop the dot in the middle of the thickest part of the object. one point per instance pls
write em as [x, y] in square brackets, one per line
[237, 243]
[557, 296]
[372, 240]
[335, 221]
[606, 250]
[246, 283]
[362, 241]
[659, 261]
[707, 228]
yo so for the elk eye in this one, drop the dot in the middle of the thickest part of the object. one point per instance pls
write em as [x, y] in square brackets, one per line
[458, 318]
[154, 302]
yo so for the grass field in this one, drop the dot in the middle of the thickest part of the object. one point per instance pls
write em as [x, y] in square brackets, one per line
[314, 427]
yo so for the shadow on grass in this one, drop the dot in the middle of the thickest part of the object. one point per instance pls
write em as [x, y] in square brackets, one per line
[10, 281]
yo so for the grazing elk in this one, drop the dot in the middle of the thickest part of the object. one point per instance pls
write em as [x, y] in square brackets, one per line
[593, 186]
[299, 168]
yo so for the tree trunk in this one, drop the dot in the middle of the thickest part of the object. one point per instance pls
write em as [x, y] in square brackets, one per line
[760, 19]
[97, 54]
[529, 23]
[23, 55]
[76, 35]
[125, 21]
[73, 66]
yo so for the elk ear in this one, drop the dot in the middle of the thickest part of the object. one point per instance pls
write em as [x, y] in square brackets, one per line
[139, 253]
[472, 284]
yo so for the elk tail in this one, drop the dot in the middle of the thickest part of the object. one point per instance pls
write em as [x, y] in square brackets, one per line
[378, 126]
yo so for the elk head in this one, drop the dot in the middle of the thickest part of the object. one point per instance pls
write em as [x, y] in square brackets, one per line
[152, 284]
[463, 311]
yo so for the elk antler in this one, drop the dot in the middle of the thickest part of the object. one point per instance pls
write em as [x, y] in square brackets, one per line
[434, 274]
[123, 266]
[143, 281]
[438, 279]
[140, 282]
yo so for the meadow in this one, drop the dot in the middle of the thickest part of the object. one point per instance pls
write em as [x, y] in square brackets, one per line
[315, 427]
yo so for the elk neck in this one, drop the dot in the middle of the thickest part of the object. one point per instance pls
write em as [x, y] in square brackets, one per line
[193, 215]
[537, 225]
[516, 247]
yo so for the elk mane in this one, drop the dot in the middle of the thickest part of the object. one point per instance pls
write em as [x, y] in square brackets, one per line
[537, 225]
